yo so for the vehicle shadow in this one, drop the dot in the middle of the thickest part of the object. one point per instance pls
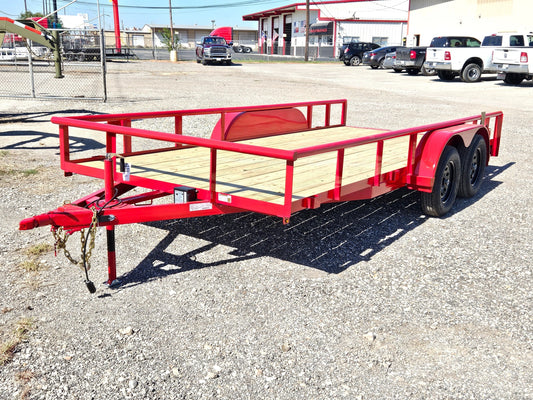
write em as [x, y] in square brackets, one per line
[523, 84]
[32, 140]
[331, 238]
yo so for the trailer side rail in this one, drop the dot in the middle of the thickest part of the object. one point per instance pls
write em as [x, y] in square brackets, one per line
[121, 125]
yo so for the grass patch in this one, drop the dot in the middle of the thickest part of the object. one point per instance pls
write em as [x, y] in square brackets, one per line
[19, 334]
[34, 252]
[28, 172]
[39, 249]
[24, 172]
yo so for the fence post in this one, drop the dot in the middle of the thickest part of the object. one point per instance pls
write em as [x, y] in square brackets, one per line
[30, 65]
[103, 62]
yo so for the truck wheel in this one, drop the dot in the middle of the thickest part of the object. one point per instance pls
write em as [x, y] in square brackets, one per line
[428, 71]
[413, 71]
[355, 61]
[473, 161]
[247, 49]
[471, 73]
[513, 79]
[446, 75]
[204, 61]
[442, 197]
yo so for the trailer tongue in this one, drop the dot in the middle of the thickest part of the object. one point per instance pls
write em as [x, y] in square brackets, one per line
[272, 159]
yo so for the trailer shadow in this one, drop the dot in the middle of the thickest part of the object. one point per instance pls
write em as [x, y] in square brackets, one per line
[331, 238]
[39, 116]
[32, 140]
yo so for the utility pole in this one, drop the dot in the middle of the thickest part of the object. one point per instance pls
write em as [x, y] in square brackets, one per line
[173, 53]
[57, 40]
[306, 58]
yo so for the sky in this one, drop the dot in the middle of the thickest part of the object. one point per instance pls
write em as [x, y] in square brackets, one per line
[185, 12]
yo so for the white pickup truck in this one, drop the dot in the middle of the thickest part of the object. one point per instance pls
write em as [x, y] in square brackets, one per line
[514, 64]
[470, 62]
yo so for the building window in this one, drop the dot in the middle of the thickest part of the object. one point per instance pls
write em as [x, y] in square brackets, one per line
[382, 41]
[327, 40]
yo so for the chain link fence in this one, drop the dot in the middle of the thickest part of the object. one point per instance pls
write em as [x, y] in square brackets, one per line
[31, 72]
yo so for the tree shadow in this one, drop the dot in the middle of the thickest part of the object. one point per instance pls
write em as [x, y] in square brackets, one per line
[331, 238]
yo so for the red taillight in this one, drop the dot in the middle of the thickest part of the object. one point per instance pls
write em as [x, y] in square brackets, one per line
[346, 50]
[412, 55]
[447, 56]
[393, 57]
[523, 57]
[372, 54]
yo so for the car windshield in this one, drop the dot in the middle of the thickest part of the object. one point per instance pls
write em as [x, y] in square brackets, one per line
[215, 40]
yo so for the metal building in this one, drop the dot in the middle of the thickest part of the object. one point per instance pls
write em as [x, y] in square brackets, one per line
[477, 18]
[281, 30]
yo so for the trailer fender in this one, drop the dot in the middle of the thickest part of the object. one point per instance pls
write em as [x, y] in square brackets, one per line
[432, 145]
[256, 124]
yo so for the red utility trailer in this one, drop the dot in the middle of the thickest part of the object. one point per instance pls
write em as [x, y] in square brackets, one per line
[272, 159]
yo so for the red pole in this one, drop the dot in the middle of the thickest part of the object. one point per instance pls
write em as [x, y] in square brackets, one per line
[117, 26]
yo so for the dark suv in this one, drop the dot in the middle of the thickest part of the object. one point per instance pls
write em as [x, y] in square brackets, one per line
[376, 57]
[353, 53]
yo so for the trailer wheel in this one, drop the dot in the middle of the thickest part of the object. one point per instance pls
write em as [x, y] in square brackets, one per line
[473, 161]
[442, 197]
[471, 73]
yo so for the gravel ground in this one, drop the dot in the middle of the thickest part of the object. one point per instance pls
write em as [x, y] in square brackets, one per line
[361, 300]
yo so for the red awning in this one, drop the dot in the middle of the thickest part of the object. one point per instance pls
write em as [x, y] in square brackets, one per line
[268, 13]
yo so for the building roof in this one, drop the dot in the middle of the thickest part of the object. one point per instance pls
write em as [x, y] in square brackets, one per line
[194, 27]
[292, 8]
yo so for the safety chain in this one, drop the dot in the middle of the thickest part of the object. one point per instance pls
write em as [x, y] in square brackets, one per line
[61, 236]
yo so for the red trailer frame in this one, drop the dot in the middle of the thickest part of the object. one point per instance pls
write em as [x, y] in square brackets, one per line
[236, 135]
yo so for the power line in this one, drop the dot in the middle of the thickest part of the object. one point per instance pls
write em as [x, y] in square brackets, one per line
[196, 7]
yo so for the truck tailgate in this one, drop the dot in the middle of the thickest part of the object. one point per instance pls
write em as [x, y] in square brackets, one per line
[434, 54]
[507, 56]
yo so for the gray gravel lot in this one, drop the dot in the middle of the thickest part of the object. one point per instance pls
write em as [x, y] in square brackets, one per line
[361, 300]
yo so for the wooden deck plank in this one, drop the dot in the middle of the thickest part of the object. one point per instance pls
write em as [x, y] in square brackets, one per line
[263, 178]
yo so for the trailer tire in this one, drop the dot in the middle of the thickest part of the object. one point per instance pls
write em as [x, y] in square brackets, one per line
[447, 178]
[473, 162]
[471, 73]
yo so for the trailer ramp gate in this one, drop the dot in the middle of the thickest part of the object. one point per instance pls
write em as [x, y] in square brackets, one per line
[272, 159]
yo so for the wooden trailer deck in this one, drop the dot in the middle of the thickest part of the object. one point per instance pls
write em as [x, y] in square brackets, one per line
[263, 178]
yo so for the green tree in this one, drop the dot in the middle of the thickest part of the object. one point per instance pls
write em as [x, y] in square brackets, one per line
[167, 41]
[29, 14]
